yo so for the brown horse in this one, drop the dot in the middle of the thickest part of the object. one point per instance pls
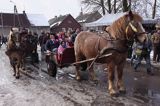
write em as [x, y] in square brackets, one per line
[13, 51]
[89, 45]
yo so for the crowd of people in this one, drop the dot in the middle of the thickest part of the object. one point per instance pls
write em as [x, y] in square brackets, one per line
[57, 42]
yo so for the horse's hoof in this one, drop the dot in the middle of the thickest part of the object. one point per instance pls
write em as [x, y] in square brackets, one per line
[23, 68]
[95, 81]
[113, 93]
[78, 78]
[17, 77]
[122, 91]
[116, 94]
[14, 74]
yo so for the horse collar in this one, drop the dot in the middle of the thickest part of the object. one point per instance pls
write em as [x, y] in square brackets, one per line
[114, 42]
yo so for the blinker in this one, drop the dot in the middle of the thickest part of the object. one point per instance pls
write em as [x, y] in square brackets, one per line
[133, 27]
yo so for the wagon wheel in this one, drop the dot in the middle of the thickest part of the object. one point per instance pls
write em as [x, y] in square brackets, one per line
[52, 68]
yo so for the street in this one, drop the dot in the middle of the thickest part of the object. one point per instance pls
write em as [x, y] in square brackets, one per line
[39, 89]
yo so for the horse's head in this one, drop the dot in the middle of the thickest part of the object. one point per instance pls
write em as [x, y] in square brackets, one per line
[128, 27]
[134, 28]
[14, 35]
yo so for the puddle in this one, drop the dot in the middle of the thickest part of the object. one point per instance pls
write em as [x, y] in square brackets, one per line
[146, 95]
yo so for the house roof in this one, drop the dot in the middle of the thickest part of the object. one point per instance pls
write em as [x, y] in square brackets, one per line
[105, 20]
[37, 20]
[57, 20]
[108, 19]
[11, 19]
[88, 17]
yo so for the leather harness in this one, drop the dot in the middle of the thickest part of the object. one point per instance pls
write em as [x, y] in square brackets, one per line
[126, 40]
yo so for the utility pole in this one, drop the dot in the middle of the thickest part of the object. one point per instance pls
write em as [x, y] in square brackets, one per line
[2, 23]
[15, 14]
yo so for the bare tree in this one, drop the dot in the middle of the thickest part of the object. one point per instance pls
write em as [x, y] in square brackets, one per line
[103, 7]
[95, 5]
[154, 9]
[109, 6]
[125, 5]
[114, 6]
[147, 8]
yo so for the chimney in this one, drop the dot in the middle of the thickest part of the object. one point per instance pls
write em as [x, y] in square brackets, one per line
[24, 12]
[55, 17]
[81, 13]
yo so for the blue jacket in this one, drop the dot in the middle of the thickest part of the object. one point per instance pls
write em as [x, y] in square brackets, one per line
[50, 44]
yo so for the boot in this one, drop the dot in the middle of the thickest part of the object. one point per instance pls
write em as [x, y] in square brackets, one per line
[149, 72]
[135, 67]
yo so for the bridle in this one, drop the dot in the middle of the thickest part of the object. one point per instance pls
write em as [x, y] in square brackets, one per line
[134, 29]
[129, 25]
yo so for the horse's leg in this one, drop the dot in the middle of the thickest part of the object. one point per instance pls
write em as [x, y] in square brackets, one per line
[78, 77]
[23, 63]
[120, 84]
[14, 69]
[111, 86]
[13, 65]
[17, 71]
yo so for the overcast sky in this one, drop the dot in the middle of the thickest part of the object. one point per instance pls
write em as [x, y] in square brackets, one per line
[49, 8]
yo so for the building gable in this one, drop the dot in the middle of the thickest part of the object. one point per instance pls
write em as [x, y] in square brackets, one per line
[14, 20]
[67, 22]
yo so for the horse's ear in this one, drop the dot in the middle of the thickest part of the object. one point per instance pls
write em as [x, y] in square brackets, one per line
[11, 29]
[130, 15]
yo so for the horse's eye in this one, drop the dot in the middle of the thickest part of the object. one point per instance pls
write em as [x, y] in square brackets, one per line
[134, 23]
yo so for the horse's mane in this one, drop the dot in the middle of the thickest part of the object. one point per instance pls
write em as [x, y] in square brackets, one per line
[118, 27]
